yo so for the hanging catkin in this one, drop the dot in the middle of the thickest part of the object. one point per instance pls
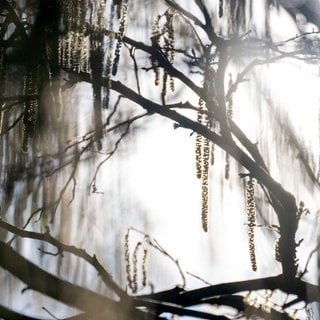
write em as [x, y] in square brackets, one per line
[205, 179]
[199, 142]
[109, 58]
[168, 37]
[169, 43]
[203, 150]
[205, 185]
[127, 259]
[134, 286]
[155, 40]
[30, 91]
[73, 46]
[144, 267]
[81, 55]
[122, 26]
[251, 220]
[133, 270]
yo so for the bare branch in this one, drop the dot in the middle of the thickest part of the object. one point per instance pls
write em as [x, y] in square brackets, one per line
[303, 290]
[159, 306]
[105, 276]
[83, 299]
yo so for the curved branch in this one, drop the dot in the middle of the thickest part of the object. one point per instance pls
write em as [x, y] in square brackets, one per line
[46, 237]
[160, 306]
[70, 294]
[304, 291]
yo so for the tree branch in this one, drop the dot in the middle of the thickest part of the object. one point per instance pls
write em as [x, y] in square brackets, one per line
[160, 306]
[46, 237]
[304, 291]
[70, 294]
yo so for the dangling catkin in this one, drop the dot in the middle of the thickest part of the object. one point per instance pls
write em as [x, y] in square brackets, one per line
[30, 90]
[169, 42]
[203, 151]
[134, 286]
[122, 26]
[199, 142]
[251, 218]
[127, 259]
[144, 268]
[155, 40]
[205, 185]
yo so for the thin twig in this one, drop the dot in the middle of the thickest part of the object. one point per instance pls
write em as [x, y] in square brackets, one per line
[156, 245]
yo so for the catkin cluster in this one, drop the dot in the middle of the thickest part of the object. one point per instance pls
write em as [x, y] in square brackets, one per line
[132, 264]
[73, 47]
[251, 220]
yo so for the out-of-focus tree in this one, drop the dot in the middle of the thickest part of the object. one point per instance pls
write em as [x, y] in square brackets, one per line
[189, 63]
